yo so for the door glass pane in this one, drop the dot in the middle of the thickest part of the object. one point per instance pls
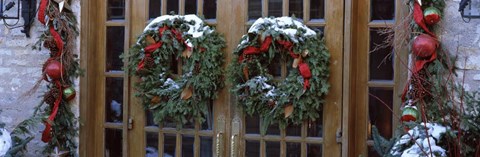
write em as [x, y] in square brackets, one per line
[252, 148]
[208, 124]
[293, 149]
[115, 42]
[296, 8]
[252, 124]
[152, 145]
[116, 10]
[190, 6]
[383, 9]
[273, 129]
[150, 121]
[169, 142]
[315, 128]
[187, 145]
[254, 9]
[275, 66]
[314, 150]
[113, 142]
[275, 8]
[381, 58]
[206, 148]
[155, 8]
[273, 148]
[372, 152]
[210, 9]
[294, 130]
[114, 100]
[172, 6]
[317, 9]
[379, 114]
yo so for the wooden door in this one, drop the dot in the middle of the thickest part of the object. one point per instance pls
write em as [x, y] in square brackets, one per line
[114, 122]
[379, 72]
[312, 138]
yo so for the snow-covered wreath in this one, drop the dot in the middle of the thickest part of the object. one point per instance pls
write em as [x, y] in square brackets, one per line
[297, 97]
[165, 42]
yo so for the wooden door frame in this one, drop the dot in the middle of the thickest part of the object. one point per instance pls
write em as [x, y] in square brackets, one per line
[337, 98]
[355, 108]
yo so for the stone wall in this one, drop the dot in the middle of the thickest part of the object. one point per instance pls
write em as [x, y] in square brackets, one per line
[20, 68]
[462, 39]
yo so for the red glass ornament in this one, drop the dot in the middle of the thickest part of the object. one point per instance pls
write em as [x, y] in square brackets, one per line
[409, 114]
[54, 70]
[431, 15]
[424, 45]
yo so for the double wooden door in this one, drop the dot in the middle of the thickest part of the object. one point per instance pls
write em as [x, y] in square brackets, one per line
[115, 123]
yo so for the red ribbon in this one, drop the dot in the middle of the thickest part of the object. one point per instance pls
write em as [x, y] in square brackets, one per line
[306, 74]
[251, 50]
[41, 11]
[418, 17]
[58, 41]
[46, 135]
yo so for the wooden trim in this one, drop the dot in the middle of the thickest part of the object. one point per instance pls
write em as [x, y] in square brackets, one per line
[87, 44]
[347, 119]
[334, 41]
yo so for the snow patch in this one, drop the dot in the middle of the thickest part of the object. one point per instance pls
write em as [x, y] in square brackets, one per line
[422, 144]
[5, 141]
[284, 24]
[197, 27]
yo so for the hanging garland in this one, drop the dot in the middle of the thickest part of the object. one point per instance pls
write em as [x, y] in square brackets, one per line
[60, 72]
[188, 40]
[300, 95]
[433, 112]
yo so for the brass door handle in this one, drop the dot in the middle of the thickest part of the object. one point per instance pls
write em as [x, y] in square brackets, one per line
[234, 149]
[220, 145]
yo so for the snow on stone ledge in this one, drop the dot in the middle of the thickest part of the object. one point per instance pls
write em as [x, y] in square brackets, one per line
[5, 141]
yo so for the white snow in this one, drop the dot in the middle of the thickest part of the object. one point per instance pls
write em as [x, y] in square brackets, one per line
[5, 141]
[171, 84]
[422, 144]
[281, 24]
[196, 30]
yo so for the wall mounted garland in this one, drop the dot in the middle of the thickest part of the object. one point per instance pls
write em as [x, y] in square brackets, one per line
[438, 117]
[297, 97]
[60, 72]
[165, 42]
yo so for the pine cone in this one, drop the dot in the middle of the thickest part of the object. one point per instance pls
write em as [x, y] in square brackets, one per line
[51, 96]
[197, 68]
[149, 62]
[420, 85]
[50, 44]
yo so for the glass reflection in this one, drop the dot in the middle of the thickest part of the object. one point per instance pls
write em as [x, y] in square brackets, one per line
[115, 42]
[113, 143]
[273, 149]
[187, 146]
[252, 148]
[275, 8]
[379, 113]
[206, 146]
[116, 10]
[296, 8]
[114, 100]
[293, 149]
[254, 9]
[317, 9]
[152, 145]
[381, 58]
[169, 143]
[314, 150]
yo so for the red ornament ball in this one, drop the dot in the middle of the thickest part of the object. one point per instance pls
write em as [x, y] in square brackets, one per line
[409, 114]
[54, 70]
[431, 15]
[424, 45]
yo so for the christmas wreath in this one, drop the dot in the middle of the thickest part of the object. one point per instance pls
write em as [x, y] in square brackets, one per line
[179, 97]
[297, 97]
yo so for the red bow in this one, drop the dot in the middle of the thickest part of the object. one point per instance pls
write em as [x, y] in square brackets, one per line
[418, 17]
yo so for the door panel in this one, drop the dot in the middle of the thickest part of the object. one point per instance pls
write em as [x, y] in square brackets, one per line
[119, 125]
[379, 72]
[310, 138]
